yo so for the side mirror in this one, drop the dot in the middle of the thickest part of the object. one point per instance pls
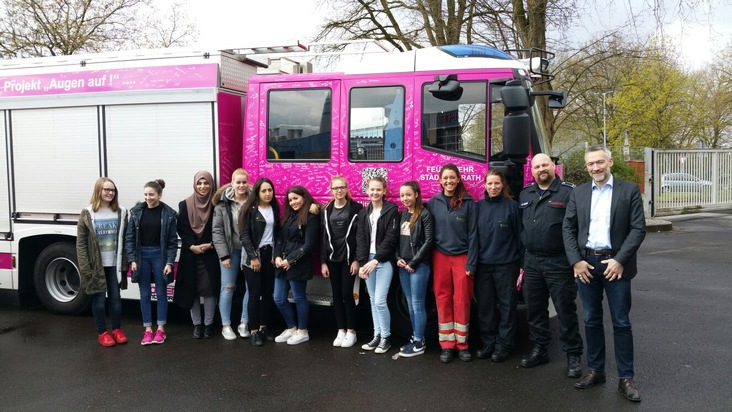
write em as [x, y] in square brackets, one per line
[517, 122]
[446, 87]
[557, 98]
[515, 97]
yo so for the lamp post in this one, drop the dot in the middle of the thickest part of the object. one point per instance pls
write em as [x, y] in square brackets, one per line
[604, 117]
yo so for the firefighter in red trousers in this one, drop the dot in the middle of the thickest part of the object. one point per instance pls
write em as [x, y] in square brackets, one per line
[454, 260]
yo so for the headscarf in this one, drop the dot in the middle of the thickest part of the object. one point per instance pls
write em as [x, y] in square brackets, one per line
[199, 207]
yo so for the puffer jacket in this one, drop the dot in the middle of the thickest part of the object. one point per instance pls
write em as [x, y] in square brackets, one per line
[223, 224]
[93, 279]
[168, 234]
[421, 238]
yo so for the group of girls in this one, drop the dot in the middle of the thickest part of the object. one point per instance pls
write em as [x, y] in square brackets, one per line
[220, 232]
[457, 238]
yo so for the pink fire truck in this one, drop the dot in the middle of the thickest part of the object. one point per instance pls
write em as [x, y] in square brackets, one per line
[137, 116]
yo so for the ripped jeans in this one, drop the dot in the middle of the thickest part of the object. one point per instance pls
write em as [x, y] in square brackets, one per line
[228, 286]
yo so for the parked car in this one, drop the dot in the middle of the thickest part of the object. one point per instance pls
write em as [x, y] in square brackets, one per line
[682, 182]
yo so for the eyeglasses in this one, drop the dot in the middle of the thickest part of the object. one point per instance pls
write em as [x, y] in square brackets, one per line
[109, 190]
[338, 188]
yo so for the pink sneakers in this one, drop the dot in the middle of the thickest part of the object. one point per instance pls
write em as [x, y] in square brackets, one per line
[147, 338]
[159, 337]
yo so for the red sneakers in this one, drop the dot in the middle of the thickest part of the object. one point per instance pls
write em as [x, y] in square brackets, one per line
[106, 339]
[119, 336]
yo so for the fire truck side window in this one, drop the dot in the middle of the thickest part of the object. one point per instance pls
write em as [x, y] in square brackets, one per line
[458, 125]
[376, 124]
[299, 124]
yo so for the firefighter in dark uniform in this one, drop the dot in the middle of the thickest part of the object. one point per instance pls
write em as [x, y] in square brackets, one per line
[547, 272]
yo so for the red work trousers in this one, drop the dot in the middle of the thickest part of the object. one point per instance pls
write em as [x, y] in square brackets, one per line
[453, 291]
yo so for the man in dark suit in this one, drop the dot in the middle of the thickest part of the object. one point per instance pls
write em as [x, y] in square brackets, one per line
[603, 228]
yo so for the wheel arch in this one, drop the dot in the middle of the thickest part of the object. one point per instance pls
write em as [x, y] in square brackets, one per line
[29, 248]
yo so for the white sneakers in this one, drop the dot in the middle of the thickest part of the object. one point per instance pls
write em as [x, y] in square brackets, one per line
[284, 336]
[339, 339]
[228, 333]
[345, 339]
[292, 337]
[298, 337]
[349, 340]
[243, 330]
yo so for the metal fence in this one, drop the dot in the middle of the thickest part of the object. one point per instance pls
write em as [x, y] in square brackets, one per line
[685, 181]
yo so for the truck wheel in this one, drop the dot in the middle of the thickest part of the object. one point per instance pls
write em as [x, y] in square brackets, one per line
[57, 280]
[401, 325]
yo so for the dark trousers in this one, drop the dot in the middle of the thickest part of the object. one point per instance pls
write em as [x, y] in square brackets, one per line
[619, 301]
[546, 277]
[115, 303]
[496, 296]
[261, 289]
[341, 283]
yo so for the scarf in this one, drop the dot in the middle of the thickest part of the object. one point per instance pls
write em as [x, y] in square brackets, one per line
[199, 207]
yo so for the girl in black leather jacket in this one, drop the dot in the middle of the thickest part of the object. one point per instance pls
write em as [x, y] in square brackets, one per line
[416, 237]
[260, 225]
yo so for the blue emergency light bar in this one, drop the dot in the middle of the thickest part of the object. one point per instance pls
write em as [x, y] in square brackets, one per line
[475, 50]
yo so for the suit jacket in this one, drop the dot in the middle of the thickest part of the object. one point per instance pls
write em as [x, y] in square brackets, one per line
[627, 224]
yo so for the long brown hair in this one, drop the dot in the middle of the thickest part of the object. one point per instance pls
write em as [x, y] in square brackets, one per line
[460, 191]
[308, 201]
[418, 205]
[250, 206]
[495, 172]
[96, 199]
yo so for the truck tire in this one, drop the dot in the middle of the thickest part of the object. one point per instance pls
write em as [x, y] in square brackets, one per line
[57, 280]
[401, 325]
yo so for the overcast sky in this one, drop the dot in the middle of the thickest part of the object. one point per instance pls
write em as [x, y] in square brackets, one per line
[232, 24]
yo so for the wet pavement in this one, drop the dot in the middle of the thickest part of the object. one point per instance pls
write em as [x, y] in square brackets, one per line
[682, 312]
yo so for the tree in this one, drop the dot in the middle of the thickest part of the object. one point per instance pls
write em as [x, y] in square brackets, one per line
[170, 27]
[410, 24]
[654, 102]
[586, 73]
[712, 101]
[32, 28]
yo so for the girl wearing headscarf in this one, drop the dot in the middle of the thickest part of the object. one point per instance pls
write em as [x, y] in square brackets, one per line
[198, 268]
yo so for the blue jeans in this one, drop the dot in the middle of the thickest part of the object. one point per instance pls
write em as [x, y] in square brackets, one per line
[415, 290]
[115, 303]
[151, 267]
[619, 301]
[228, 285]
[281, 288]
[378, 284]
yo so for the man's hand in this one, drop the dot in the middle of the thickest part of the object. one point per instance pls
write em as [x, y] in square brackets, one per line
[614, 269]
[582, 271]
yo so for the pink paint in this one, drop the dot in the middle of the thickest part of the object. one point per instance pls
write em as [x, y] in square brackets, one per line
[230, 116]
[418, 163]
[111, 80]
[6, 260]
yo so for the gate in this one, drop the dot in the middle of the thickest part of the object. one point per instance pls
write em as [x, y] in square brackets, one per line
[686, 181]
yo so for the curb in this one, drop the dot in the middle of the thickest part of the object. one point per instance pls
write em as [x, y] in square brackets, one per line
[658, 225]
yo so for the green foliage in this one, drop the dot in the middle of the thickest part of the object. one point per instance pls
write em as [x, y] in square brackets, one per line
[575, 171]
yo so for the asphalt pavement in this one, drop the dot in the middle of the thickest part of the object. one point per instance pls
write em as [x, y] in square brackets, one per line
[682, 313]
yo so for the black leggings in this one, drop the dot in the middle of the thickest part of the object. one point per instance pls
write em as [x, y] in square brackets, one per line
[261, 288]
[341, 282]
